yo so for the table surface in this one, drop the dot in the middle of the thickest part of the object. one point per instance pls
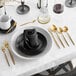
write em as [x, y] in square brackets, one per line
[55, 56]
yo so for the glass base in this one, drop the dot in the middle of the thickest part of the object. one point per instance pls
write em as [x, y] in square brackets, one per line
[21, 11]
[69, 4]
[43, 20]
[1, 6]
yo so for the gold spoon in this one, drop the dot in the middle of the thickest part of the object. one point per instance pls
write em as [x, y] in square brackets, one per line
[3, 50]
[14, 25]
[53, 38]
[60, 30]
[54, 29]
[65, 29]
[28, 22]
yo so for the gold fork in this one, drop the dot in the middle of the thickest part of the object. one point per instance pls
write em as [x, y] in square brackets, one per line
[6, 44]
[3, 50]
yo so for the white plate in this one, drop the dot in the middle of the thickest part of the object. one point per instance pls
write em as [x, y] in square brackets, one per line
[38, 29]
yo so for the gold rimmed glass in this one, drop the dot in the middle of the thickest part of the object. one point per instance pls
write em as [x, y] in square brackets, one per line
[44, 16]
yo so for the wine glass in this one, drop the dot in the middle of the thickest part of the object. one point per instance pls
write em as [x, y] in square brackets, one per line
[23, 9]
[42, 3]
[70, 3]
[2, 2]
[44, 16]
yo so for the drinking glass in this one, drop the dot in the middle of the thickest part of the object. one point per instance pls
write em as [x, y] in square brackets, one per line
[70, 3]
[44, 16]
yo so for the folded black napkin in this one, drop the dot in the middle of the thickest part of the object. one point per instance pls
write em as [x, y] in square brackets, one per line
[31, 42]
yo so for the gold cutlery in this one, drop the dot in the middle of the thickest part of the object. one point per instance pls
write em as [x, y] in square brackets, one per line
[60, 30]
[65, 29]
[3, 50]
[54, 29]
[53, 37]
[12, 27]
[6, 44]
[28, 22]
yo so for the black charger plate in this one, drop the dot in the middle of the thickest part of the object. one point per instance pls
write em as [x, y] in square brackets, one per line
[13, 28]
[19, 44]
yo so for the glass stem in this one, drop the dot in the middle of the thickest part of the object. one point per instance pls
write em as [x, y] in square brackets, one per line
[22, 3]
[5, 10]
[47, 3]
[70, 2]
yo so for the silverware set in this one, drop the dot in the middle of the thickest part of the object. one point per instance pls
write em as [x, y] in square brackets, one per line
[7, 47]
[58, 30]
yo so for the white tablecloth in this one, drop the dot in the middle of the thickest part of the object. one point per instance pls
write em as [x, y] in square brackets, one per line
[55, 56]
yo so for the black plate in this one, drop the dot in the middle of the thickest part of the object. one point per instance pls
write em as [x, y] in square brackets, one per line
[5, 31]
[31, 52]
[26, 9]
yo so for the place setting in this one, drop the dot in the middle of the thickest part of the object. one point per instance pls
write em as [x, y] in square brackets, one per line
[31, 42]
[28, 42]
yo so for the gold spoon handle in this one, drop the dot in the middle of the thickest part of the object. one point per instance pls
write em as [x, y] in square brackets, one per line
[60, 39]
[54, 38]
[28, 23]
[6, 59]
[12, 58]
[70, 38]
[65, 40]
[11, 27]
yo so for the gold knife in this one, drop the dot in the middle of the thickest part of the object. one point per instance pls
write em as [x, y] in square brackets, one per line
[6, 44]
[3, 50]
